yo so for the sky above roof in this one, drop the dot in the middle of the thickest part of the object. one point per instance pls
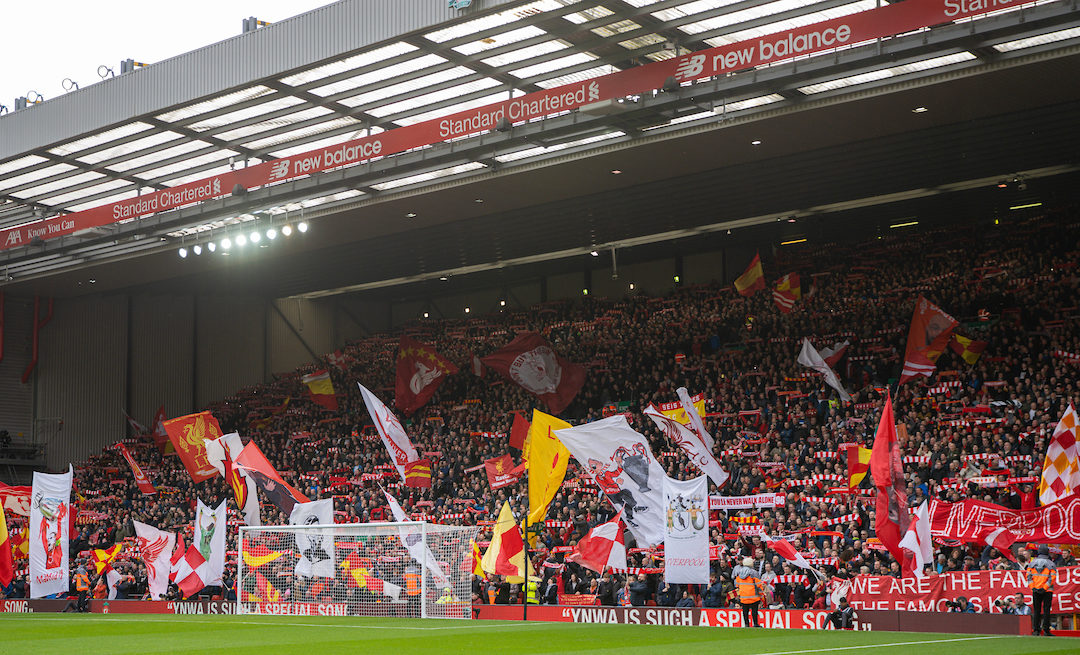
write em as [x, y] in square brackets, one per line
[72, 39]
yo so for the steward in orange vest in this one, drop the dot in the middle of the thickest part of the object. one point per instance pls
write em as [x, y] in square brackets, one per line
[750, 590]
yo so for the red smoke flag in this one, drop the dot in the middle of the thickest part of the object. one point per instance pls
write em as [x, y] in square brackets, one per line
[787, 292]
[530, 362]
[418, 473]
[321, 389]
[420, 371]
[7, 562]
[752, 280]
[603, 546]
[891, 516]
[928, 337]
[254, 464]
[502, 472]
[519, 431]
[189, 435]
[141, 480]
[968, 349]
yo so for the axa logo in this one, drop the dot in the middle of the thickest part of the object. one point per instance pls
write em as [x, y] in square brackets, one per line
[690, 68]
[594, 91]
[14, 237]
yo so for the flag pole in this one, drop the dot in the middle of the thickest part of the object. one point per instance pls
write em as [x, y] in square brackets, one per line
[525, 584]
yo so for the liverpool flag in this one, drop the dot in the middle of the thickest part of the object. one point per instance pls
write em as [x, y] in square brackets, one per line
[752, 280]
[418, 473]
[529, 362]
[393, 434]
[321, 389]
[928, 336]
[787, 292]
[891, 516]
[420, 371]
[604, 546]
[50, 527]
[7, 562]
[506, 554]
[155, 547]
[547, 458]
[1061, 468]
[102, 558]
[253, 463]
[222, 453]
[968, 349]
[858, 464]
[189, 435]
[143, 482]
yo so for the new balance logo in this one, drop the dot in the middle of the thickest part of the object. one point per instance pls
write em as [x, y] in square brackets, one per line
[690, 68]
[280, 169]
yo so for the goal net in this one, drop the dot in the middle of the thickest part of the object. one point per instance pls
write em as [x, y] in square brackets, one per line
[407, 569]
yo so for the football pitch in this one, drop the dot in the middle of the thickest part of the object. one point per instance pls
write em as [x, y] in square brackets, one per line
[119, 634]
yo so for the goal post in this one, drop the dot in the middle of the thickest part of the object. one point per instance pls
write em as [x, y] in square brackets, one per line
[409, 569]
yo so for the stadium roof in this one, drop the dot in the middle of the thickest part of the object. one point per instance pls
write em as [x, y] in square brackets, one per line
[843, 117]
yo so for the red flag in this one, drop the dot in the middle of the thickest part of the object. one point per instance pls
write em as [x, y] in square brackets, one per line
[418, 473]
[519, 431]
[189, 435]
[603, 546]
[928, 337]
[144, 483]
[160, 435]
[191, 584]
[137, 429]
[892, 518]
[788, 290]
[502, 472]
[420, 371]
[7, 562]
[177, 555]
[530, 362]
[252, 462]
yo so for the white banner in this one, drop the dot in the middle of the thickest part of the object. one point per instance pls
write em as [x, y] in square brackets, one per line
[210, 528]
[695, 418]
[393, 434]
[690, 443]
[810, 358]
[686, 538]
[50, 522]
[618, 459]
[229, 446]
[156, 547]
[746, 502]
[316, 551]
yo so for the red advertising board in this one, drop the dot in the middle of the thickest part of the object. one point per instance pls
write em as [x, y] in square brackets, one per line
[826, 35]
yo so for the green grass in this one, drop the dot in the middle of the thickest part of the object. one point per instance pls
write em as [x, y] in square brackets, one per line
[119, 634]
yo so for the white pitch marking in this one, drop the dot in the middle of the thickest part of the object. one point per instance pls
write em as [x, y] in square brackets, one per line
[905, 643]
[271, 623]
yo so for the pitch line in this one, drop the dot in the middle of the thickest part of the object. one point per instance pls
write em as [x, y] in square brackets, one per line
[272, 623]
[904, 643]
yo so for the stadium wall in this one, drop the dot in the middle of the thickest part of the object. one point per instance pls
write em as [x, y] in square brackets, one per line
[16, 399]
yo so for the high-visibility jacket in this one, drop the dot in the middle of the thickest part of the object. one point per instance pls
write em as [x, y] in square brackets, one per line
[530, 593]
[491, 595]
[82, 583]
[412, 584]
[1041, 578]
[750, 589]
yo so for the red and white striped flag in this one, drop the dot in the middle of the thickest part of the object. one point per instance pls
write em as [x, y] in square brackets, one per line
[603, 546]
[917, 541]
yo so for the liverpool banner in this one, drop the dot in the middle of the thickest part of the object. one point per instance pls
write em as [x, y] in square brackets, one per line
[618, 459]
[994, 525]
[420, 371]
[316, 559]
[686, 531]
[188, 434]
[929, 334]
[691, 444]
[49, 533]
[15, 499]
[393, 434]
[501, 471]
[222, 453]
[254, 464]
[529, 362]
[933, 593]
[155, 548]
[141, 480]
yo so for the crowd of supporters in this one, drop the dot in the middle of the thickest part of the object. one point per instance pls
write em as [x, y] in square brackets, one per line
[776, 428]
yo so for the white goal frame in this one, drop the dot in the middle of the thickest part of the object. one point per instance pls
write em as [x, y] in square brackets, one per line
[387, 535]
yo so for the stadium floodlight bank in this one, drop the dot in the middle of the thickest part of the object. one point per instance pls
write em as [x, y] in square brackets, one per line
[408, 569]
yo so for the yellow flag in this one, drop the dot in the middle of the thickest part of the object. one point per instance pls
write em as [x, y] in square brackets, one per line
[506, 553]
[547, 459]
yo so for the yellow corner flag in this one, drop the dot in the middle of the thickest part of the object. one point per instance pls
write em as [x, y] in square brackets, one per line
[547, 458]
